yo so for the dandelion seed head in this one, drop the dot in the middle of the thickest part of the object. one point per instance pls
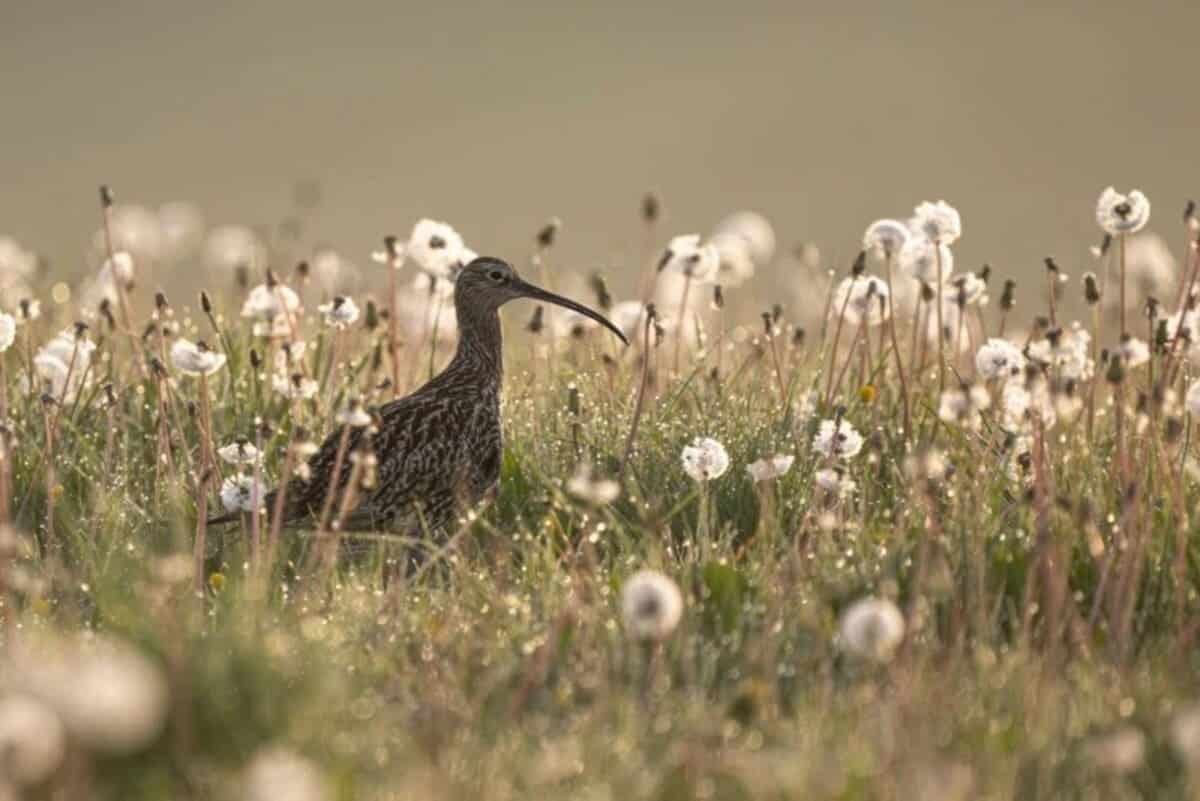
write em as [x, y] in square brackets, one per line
[195, 358]
[435, 247]
[835, 481]
[651, 606]
[276, 773]
[229, 248]
[837, 439]
[871, 628]
[686, 256]
[1118, 214]
[919, 259]
[999, 359]
[340, 312]
[754, 230]
[585, 486]
[771, 467]
[705, 459]
[886, 238]
[241, 493]
[939, 222]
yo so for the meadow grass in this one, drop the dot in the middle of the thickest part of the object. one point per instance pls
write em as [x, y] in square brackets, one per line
[1042, 561]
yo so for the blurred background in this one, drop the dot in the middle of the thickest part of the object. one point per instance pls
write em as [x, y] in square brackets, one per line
[337, 123]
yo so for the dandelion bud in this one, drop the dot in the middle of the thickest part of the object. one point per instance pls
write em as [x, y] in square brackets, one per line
[985, 273]
[106, 196]
[1051, 266]
[1174, 430]
[371, 321]
[391, 245]
[777, 311]
[798, 338]
[768, 324]
[157, 367]
[1116, 373]
[548, 233]
[650, 207]
[272, 280]
[718, 297]
[80, 329]
[105, 309]
[927, 293]
[110, 394]
[205, 303]
[1091, 289]
[1008, 298]
[1151, 308]
[1161, 335]
[1189, 211]
[192, 409]
[860, 264]
[255, 359]
[600, 288]
[537, 321]
[1105, 244]
[303, 270]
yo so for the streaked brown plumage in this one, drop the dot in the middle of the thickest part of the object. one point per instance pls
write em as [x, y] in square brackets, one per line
[438, 450]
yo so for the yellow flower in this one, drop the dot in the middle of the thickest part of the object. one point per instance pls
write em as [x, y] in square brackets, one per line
[57, 491]
[866, 394]
[216, 581]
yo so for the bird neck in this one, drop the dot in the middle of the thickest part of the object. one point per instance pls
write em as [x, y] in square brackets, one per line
[480, 342]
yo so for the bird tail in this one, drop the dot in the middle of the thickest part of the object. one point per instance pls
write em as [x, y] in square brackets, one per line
[221, 520]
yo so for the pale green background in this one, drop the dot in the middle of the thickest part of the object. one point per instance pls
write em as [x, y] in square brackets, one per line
[495, 116]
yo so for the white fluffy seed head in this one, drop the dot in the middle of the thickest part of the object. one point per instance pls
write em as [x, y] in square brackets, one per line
[871, 628]
[651, 606]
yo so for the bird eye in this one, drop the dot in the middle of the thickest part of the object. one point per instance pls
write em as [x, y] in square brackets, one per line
[496, 276]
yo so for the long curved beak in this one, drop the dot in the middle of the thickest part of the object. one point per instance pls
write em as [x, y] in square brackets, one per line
[533, 292]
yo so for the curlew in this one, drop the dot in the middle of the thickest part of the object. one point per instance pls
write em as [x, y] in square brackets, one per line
[437, 451]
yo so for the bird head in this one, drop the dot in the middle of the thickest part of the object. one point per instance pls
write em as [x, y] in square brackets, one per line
[490, 283]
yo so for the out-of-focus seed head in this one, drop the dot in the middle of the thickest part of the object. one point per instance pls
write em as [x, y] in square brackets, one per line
[205, 303]
[600, 289]
[1091, 289]
[548, 233]
[106, 196]
[537, 322]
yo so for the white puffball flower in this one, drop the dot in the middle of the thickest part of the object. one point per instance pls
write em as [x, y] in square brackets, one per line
[240, 453]
[862, 300]
[331, 272]
[435, 247]
[919, 258]
[687, 257]
[999, 358]
[1068, 350]
[651, 606]
[8, 331]
[133, 228]
[354, 415]
[938, 222]
[886, 238]
[32, 740]
[1120, 214]
[279, 774]
[596, 491]
[1133, 352]
[110, 697]
[1150, 269]
[62, 364]
[705, 459]
[771, 467]
[837, 440]
[429, 285]
[230, 248]
[736, 264]
[182, 226]
[267, 303]
[15, 261]
[340, 312]
[1118, 752]
[871, 628]
[296, 386]
[967, 289]
[195, 358]
[754, 230]
[962, 406]
[1185, 734]
[241, 493]
[836, 481]
[629, 316]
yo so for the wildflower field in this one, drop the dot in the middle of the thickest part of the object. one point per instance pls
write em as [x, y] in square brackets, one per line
[924, 535]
